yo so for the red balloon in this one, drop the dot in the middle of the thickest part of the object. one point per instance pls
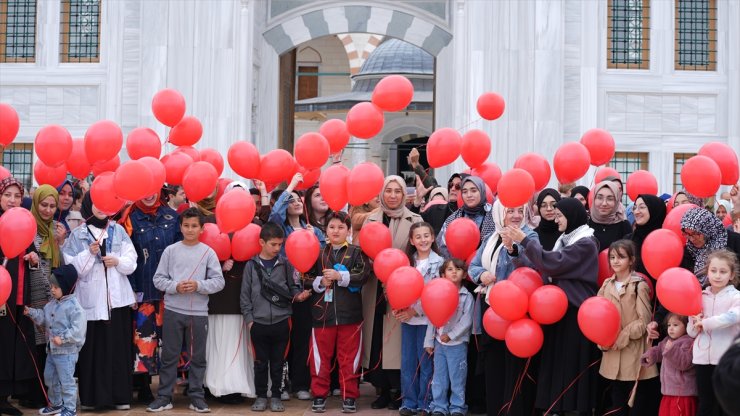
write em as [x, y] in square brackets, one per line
[374, 237]
[159, 173]
[48, 175]
[310, 177]
[548, 304]
[6, 285]
[107, 166]
[679, 291]
[104, 196]
[365, 182]
[77, 163]
[133, 181]
[701, 176]
[277, 166]
[103, 141]
[605, 172]
[490, 173]
[142, 142]
[190, 151]
[9, 124]
[302, 248]
[4, 173]
[215, 239]
[199, 181]
[515, 188]
[187, 132]
[599, 321]
[168, 106]
[404, 287]
[537, 166]
[600, 145]
[494, 325]
[245, 243]
[244, 159]
[53, 145]
[490, 105]
[439, 300]
[526, 278]
[221, 185]
[333, 186]
[661, 250]
[213, 157]
[311, 150]
[641, 182]
[571, 162]
[673, 220]
[393, 93]
[524, 338]
[508, 300]
[387, 261]
[443, 147]
[235, 210]
[605, 269]
[335, 132]
[462, 237]
[726, 159]
[17, 231]
[476, 147]
[176, 163]
[364, 120]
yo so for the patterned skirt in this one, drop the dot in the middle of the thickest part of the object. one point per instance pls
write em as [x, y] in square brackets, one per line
[147, 338]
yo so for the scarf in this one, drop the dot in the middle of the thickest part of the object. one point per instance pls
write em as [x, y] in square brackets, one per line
[87, 213]
[574, 212]
[725, 203]
[62, 215]
[657, 210]
[395, 214]
[580, 190]
[487, 226]
[45, 228]
[491, 251]
[616, 215]
[146, 209]
[547, 230]
[565, 240]
[715, 236]
[478, 209]
[7, 183]
[434, 192]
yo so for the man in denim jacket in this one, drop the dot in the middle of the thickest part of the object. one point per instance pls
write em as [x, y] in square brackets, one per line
[66, 325]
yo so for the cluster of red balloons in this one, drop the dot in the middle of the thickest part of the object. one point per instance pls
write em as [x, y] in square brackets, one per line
[519, 305]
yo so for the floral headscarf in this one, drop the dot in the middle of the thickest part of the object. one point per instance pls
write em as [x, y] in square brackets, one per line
[715, 235]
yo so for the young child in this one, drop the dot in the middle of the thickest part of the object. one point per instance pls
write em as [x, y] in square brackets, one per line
[620, 363]
[187, 273]
[336, 309]
[677, 375]
[450, 347]
[64, 321]
[416, 364]
[268, 290]
[717, 326]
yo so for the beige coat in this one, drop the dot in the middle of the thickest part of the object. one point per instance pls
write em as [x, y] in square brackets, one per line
[633, 303]
[391, 327]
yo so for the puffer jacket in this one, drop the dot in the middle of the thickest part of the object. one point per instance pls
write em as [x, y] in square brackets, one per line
[62, 318]
[721, 325]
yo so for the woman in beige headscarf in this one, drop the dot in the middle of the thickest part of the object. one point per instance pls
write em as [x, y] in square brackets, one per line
[381, 332]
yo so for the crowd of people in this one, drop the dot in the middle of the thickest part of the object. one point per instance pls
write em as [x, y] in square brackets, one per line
[116, 300]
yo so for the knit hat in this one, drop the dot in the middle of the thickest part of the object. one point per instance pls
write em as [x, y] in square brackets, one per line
[64, 277]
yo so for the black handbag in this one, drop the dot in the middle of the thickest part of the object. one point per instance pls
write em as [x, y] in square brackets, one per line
[273, 293]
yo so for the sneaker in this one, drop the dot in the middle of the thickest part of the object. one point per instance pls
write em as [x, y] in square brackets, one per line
[123, 407]
[381, 401]
[318, 405]
[336, 392]
[259, 405]
[51, 410]
[67, 412]
[276, 405]
[303, 395]
[284, 395]
[349, 406]
[159, 404]
[199, 405]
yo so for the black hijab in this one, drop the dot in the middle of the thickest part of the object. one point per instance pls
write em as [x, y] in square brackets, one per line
[547, 230]
[657, 210]
[87, 213]
[574, 212]
[581, 190]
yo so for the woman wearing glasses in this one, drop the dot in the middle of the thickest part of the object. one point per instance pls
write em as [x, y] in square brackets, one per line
[704, 233]
[547, 230]
[607, 215]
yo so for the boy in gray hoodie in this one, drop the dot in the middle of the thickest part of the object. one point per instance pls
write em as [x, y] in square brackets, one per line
[188, 272]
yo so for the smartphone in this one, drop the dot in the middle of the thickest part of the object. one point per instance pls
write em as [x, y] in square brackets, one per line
[411, 191]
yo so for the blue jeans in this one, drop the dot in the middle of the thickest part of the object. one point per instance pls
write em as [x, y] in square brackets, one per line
[59, 376]
[416, 368]
[450, 373]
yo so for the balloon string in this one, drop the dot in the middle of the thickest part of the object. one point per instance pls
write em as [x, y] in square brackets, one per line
[517, 387]
[572, 383]
[30, 353]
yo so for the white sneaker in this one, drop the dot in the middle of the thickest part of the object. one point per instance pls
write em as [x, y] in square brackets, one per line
[336, 392]
[123, 407]
[284, 396]
[303, 395]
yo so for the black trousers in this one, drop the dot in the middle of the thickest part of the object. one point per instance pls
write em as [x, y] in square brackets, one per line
[648, 392]
[300, 339]
[708, 405]
[270, 343]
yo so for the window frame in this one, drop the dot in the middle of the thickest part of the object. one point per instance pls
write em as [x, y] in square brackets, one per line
[3, 36]
[64, 31]
[711, 66]
[298, 75]
[644, 65]
[25, 175]
[679, 159]
[628, 157]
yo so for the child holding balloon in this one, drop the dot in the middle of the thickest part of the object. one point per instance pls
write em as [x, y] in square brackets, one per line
[450, 347]
[717, 325]
[620, 363]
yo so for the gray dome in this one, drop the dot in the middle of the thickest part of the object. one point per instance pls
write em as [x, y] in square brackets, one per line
[395, 56]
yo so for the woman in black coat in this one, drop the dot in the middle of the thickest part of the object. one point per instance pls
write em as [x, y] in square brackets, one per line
[607, 215]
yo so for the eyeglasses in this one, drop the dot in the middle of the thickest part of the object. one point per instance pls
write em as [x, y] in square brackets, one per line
[639, 207]
[545, 205]
[601, 198]
[689, 233]
[455, 186]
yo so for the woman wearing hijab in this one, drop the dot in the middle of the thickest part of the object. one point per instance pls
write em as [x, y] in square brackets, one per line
[494, 261]
[547, 230]
[153, 227]
[381, 332]
[649, 212]
[573, 266]
[66, 199]
[581, 193]
[704, 233]
[474, 208]
[607, 215]
[724, 208]
[17, 372]
[104, 256]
